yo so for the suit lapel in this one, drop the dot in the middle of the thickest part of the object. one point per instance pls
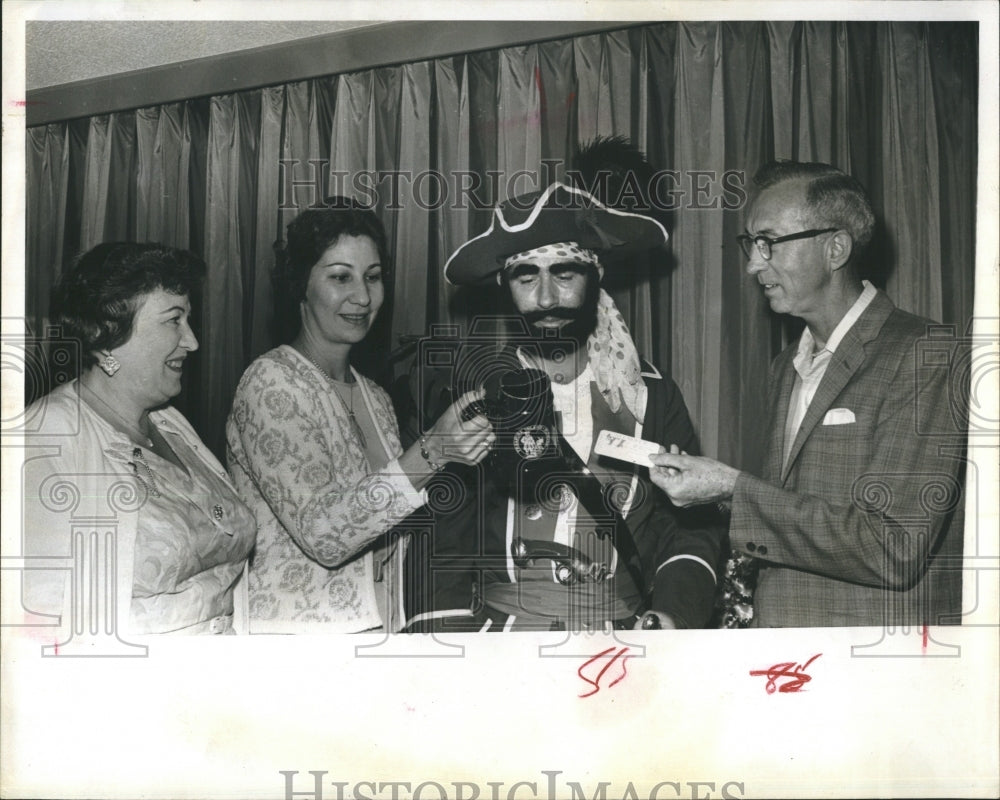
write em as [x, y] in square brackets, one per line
[785, 375]
[846, 361]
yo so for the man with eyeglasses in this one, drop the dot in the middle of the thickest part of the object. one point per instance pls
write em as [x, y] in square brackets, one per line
[856, 518]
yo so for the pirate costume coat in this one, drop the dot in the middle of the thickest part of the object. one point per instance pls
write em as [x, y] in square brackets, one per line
[568, 539]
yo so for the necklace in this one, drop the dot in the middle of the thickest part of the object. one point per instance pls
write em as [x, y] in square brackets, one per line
[129, 430]
[355, 426]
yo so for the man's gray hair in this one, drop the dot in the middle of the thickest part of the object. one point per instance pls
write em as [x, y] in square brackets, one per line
[833, 198]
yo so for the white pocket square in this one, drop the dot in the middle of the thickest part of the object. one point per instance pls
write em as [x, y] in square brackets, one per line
[839, 416]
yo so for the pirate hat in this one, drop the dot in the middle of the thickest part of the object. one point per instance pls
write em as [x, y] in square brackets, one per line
[559, 213]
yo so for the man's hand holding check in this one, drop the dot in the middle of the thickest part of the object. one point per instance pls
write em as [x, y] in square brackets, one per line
[692, 480]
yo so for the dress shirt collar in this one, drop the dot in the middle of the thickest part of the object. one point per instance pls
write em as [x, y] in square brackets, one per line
[807, 343]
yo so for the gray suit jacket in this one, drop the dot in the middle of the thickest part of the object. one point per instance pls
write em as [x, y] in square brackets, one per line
[864, 524]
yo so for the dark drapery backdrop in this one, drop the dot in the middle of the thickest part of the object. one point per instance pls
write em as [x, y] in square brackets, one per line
[893, 103]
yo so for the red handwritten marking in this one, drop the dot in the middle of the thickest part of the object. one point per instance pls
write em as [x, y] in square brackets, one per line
[787, 669]
[926, 636]
[624, 670]
[596, 682]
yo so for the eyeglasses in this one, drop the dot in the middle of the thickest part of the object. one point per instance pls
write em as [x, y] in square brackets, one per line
[765, 243]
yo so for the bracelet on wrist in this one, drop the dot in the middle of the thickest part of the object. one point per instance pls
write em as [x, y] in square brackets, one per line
[434, 465]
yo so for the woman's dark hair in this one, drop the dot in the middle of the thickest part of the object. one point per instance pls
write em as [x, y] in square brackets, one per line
[97, 297]
[309, 235]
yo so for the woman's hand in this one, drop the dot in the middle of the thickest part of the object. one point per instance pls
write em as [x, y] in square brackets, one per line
[453, 438]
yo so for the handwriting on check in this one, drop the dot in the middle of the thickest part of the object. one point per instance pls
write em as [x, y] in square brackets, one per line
[620, 653]
[794, 676]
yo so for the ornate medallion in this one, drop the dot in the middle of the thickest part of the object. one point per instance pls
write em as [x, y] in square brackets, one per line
[531, 441]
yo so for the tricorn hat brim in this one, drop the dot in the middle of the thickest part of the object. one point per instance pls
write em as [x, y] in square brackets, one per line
[560, 213]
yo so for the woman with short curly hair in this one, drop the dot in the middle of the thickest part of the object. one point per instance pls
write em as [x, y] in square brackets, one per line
[126, 458]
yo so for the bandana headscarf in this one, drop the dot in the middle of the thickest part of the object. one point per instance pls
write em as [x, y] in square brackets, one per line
[613, 357]
[559, 253]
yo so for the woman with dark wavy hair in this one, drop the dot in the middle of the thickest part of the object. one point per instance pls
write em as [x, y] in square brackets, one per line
[125, 457]
[313, 445]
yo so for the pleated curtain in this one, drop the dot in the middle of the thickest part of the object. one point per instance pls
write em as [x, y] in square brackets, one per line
[894, 103]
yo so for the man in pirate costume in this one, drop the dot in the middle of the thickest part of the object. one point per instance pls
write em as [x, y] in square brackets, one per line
[549, 535]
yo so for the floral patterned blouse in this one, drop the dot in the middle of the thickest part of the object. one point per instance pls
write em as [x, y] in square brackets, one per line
[321, 509]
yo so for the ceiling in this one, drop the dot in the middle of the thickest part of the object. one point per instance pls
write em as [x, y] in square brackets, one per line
[59, 52]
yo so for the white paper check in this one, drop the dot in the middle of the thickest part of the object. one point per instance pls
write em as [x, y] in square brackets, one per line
[626, 448]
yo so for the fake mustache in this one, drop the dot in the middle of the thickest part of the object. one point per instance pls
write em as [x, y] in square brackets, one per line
[557, 312]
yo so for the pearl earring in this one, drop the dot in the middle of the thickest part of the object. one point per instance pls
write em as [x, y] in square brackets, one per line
[109, 364]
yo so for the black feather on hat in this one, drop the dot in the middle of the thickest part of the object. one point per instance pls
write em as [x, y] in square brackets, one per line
[616, 172]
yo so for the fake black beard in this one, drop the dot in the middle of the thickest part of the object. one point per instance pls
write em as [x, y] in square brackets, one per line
[581, 323]
[573, 335]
